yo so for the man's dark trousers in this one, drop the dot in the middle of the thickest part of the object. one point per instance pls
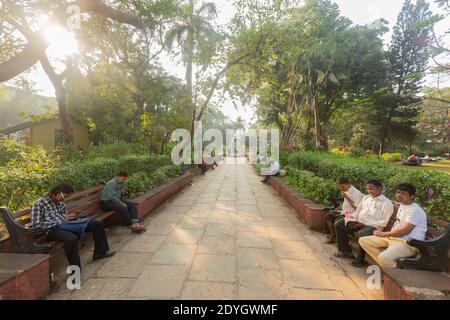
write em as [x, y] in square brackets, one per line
[127, 210]
[267, 178]
[342, 237]
[70, 241]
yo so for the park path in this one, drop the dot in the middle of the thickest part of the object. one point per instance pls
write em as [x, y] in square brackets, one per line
[227, 236]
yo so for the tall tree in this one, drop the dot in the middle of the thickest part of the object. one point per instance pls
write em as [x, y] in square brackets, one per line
[312, 62]
[407, 62]
[193, 27]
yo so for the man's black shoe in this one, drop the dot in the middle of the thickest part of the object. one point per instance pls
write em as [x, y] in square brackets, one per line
[108, 254]
[359, 264]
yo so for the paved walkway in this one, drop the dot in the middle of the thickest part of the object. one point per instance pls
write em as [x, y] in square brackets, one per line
[226, 237]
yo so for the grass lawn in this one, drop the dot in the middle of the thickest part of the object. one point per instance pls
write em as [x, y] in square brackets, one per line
[443, 165]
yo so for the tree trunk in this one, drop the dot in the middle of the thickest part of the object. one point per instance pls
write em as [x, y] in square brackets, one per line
[382, 145]
[140, 104]
[189, 71]
[164, 142]
[446, 128]
[318, 134]
[60, 93]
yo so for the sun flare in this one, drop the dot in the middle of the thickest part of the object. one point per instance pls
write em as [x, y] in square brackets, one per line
[62, 42]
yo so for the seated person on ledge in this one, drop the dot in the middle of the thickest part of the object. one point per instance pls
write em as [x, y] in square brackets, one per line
[50, 213]
[273, 171]
[260, 158]
[411, 223]
[111, 200]
[352, 197]
[373, 213]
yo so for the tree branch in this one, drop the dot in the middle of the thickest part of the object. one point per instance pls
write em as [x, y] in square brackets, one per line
[222, 72]
[37, 44]
[437, 99]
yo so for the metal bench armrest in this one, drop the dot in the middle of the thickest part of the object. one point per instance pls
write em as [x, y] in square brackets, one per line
[433, 254]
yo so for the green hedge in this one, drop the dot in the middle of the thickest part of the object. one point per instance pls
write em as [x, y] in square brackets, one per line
[20, 186]
[333, 167]
[310, 186]
[141, 182]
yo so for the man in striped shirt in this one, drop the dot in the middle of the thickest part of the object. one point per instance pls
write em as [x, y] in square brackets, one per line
[50, 213]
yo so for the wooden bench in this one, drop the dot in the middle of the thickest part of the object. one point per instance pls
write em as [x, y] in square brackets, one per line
[25, 239]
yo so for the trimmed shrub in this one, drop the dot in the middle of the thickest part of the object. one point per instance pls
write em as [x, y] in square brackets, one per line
[312, 187]
[141, 182]
[391, 157]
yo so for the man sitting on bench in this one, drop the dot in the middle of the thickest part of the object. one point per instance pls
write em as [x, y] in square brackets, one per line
[273, 171]
[373, 213]
[111, 200]
[411, 223]
[50, 213]
[352, 197]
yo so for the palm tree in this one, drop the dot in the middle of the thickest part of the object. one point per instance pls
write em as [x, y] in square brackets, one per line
[239, 124]
[192, 25]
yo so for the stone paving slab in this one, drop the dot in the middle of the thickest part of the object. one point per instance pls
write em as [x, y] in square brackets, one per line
[216, 246]
[304, 294]
[261, 285]
[159, 282]
[218, 268]
[185, 236]
[120, 265]
[144, 243]
[103, 289]
[194, 290]
[253, 258]
[174, 254]
[299, 274]
[253, 240]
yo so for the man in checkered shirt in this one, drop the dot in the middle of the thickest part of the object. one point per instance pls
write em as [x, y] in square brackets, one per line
[50, 212]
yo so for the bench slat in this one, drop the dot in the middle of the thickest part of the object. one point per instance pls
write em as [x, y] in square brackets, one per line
[81, 194]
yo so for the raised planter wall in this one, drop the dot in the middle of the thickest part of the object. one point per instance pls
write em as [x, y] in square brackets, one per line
[24, 276]
[310, 212]
[156, 197]
[415, 285]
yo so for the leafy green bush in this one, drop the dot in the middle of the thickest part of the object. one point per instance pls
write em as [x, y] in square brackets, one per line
[310, 186]
[260, 166]
[333, 167]
[283, 158]
[391, 157]
[17, 154]
[114, 151]
[341, 151]
[140, 182]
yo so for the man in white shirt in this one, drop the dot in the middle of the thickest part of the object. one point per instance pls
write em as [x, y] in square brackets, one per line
[260, 158]
[411, 223]
[352, 198]
[273, 171]
[373, 213]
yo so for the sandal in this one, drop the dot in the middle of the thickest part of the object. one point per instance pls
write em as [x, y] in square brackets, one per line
[139, 229]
